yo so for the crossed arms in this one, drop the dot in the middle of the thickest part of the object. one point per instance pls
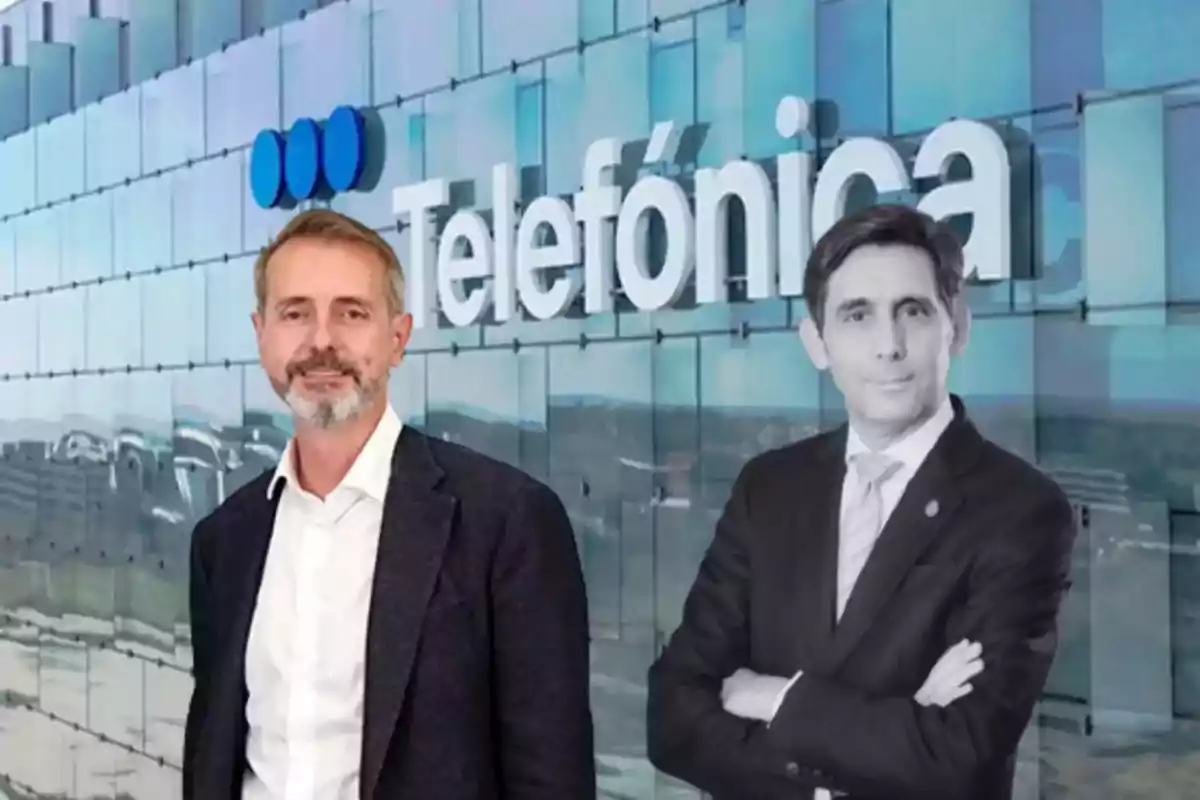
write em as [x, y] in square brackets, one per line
[918, 747]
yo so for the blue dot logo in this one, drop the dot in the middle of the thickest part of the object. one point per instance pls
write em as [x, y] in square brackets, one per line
[313, 159]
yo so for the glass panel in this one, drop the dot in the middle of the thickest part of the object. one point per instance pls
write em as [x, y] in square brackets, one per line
[114, 325]
[99, 53]
[313, 83]
[204, 229]
[720, 88]
[1182, 176]
[1067, 49]
[995, 377]
[153, 38]
[173, 318]
[243, 92]
[18, 165]
[454, 148]
[230, 302]
[19, 323]
[979, 67]
[173, 118]
[1123, 179]
[416, 46]
[508, 34]
[87, 246]
[1151, 43]
[114, 139]
[407, 389]
[780, 60]
[142, 225]
[208, 423]
[852, 67]
[39, 249]
[8, 258]
[50, 87]
[597, 18]
[214, 23]
[61, 332]
[60, 158]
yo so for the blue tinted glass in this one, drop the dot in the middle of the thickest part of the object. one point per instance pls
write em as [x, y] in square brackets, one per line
[995, 377]
[14, 100]
[18, 165]
[114, 325]
[530, 123]
[564, 149]
[1183, 199]
[39, 249]
[779, 60]
[276, 12]
[1150, 43]
[597, 18]
[523, 29]
[214, 23]
[983, 69]
[8, 257]
[142, 229]
[61, 344]
[454, 147]
[51, 91]
[98, 55]
[319, 75]
[173, 316]
[18, 323]
[243, 92]
[852, 66]
[416, 46]
[407, 389]
[1068, 46]
[60, 150]
[113, 135]
[173, 118]
[87, 238]
[673, 81]
[453, 399]
[720, 88]
[152, 38]
[1124, 179]
[229, 297]
[16, 17]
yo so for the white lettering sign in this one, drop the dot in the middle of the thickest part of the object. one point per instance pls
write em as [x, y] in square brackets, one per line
[600, 234]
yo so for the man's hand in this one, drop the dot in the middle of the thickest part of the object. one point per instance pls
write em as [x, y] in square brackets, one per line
[951, 675]
[749, 695]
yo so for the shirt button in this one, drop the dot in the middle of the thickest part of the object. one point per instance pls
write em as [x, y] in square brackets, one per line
[792, 769]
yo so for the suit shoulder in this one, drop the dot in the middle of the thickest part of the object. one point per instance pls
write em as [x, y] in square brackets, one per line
[242, 498]
[473, 476]
[783, 460]
[1025, 479]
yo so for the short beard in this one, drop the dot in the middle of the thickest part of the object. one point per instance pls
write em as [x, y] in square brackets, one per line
[328, 414]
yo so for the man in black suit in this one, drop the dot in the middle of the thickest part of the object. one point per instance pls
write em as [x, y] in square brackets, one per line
[851, 570]
[385, 615]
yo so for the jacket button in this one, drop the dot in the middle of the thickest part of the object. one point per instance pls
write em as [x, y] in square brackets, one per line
[792, 769]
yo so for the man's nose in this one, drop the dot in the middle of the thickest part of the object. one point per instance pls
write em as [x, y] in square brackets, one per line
[889, 341]
[320, 336]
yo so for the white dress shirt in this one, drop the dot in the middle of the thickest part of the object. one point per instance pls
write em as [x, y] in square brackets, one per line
[306, 655]
[910, 452]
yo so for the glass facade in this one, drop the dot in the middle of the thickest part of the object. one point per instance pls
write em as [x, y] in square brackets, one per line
[131, 402]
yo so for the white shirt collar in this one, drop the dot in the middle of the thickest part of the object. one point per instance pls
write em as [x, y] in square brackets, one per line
[371, 470]
[912, 450]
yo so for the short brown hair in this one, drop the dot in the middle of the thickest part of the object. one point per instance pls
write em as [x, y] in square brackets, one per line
[884, 224]
[325, 225]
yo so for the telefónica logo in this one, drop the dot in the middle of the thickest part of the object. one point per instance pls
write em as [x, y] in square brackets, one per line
[312, 160]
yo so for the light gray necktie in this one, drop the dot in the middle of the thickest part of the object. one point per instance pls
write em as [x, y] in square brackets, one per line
[863, 520]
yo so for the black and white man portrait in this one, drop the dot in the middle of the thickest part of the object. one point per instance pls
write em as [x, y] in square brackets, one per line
[877, 613]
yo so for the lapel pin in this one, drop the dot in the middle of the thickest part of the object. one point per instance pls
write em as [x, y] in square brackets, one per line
[931, 508]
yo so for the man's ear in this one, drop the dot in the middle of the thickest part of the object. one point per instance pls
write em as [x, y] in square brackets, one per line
[814, 344]
[960, 318]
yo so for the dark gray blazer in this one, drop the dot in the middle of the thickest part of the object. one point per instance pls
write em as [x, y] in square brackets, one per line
[477, 672]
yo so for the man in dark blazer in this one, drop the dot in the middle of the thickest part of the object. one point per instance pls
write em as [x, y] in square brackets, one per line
[846, 566]
[385, 615]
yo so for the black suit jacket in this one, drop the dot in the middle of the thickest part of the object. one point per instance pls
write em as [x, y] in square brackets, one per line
[477, 673]
[978, 548]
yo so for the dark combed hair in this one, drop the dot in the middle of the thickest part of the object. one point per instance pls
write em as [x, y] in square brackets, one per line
[884, 224]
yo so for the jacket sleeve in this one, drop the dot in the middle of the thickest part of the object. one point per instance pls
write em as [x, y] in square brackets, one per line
[199, 615]
[689, 733]
[542, 654]
[1014, 593]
